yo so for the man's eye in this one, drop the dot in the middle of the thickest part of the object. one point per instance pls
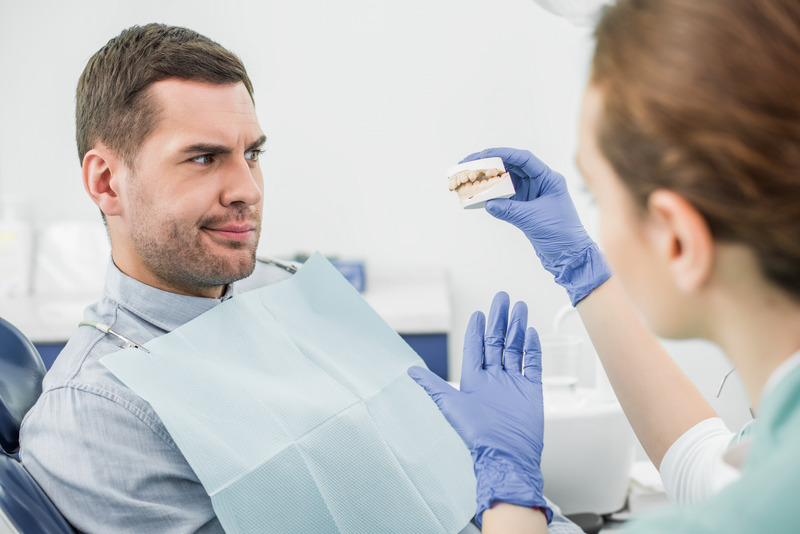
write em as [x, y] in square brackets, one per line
[205, 159]
[254, 154]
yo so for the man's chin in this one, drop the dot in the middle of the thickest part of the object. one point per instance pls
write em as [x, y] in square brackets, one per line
[242, 270]
[220, 271]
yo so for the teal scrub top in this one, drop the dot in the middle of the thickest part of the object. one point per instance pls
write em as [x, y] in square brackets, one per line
[766, 499]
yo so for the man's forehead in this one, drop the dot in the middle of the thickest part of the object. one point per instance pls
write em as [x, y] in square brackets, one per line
[177, 96]
[190, 109]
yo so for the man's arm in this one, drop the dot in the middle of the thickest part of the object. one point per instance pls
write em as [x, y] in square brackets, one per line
[107, 468]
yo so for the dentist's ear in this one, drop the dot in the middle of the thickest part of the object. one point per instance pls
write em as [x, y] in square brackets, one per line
[683, 239]
[100, 179]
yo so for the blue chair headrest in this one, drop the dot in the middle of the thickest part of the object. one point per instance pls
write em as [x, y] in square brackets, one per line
[21, 372]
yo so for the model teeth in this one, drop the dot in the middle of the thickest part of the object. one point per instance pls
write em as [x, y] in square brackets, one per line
[464, 177]
[469, 183]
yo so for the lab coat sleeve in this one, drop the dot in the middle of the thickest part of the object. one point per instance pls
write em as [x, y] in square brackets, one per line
[693, 469]
[109, 467]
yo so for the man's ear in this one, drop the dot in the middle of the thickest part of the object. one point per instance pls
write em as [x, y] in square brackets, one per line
[683, 239]
[101, 169]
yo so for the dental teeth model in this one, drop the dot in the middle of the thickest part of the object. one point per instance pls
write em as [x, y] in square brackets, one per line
[480, 180]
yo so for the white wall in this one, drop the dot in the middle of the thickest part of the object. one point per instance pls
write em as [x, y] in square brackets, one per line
[365, 103]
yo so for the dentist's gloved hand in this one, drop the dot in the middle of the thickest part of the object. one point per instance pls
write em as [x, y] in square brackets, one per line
[543, 210]
[498, 411]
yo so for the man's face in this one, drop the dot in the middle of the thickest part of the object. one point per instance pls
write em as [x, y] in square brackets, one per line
[192, 200]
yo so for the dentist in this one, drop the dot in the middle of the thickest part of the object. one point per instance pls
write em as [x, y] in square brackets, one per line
[690, 143]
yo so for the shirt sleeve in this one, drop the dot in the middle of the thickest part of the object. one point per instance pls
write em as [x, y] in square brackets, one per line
[109, 466]
[693, 469]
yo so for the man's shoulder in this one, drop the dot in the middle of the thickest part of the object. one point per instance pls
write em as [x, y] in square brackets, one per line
[87, 345]
[78, 370]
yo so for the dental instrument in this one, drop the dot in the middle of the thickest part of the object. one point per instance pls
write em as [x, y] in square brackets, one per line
[128, 344]
[288, 267]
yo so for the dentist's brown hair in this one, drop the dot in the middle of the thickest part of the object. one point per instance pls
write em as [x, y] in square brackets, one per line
[702, 97]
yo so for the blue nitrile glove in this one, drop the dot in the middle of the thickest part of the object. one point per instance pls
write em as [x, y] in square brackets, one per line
[543, 210]
[498, 411]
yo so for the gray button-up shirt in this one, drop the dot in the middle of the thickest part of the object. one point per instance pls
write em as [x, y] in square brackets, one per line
[97, 449]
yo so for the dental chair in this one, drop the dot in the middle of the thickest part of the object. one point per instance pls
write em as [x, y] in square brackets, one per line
[24, 507]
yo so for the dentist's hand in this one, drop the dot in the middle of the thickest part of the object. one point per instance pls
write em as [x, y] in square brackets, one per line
[498, 411]
[543, 210]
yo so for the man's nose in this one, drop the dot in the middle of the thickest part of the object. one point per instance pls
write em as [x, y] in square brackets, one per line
[242, 183]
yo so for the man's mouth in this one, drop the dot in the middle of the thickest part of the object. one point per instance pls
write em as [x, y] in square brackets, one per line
[239, 231]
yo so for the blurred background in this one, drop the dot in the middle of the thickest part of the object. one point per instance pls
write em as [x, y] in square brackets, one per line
[365, 104]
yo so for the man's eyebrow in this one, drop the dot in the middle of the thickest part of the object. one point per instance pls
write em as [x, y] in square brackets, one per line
[206, 148]
[258, 143]
[209, 148]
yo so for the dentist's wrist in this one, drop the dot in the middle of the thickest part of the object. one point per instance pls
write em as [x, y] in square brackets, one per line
[503, 480]
[584, 273]
[503, 517]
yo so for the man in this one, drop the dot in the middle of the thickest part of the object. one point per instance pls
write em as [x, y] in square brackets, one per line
[169, 144]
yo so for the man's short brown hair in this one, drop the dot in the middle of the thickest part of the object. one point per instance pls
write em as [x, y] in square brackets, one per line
[113, 103]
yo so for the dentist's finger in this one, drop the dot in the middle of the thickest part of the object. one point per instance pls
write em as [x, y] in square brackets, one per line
[533, 356]
[496, 327]
[510, 157]
[515, 338]
[473, 345]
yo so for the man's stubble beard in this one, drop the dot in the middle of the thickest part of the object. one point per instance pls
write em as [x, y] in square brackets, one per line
[174, 251]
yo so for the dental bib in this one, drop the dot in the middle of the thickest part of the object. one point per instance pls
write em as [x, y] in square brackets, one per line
[292, 405]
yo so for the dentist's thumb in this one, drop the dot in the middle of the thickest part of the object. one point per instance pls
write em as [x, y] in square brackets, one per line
[505, 210]
[433, 385]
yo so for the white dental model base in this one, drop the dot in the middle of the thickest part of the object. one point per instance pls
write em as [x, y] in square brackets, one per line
[480, 180]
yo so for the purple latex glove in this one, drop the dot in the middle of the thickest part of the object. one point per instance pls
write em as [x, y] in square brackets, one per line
[498, 410]
[543, 210]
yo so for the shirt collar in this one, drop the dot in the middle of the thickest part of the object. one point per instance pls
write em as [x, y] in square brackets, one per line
[161, 308]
